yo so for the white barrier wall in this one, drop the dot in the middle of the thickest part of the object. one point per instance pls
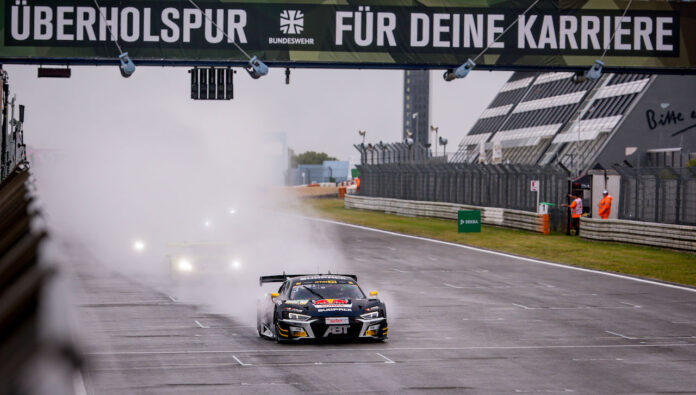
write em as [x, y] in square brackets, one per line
[679, 237]
[524, 220]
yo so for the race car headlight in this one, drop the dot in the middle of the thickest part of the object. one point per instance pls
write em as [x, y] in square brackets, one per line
[370, 316]
[298, 317]
[184, 265]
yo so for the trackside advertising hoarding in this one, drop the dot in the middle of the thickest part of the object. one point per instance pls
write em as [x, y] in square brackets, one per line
[654, 35]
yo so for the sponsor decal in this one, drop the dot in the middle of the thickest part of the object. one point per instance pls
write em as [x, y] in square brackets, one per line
[330, 309]
[322, 277]
[326, 282]
[336, 330]
[291, 22]
[330, 301]
[336, 320]
[300, 302]
[325, 305]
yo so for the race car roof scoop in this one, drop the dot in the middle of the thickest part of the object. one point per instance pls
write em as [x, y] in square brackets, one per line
[279, 278]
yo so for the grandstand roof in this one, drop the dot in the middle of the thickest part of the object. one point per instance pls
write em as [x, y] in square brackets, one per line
[542, 118]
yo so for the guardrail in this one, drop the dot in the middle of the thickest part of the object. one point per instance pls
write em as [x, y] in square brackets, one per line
[36, 355]
[515, 219]
[680, 237]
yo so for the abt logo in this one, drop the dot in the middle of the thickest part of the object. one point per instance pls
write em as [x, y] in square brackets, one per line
[291, 22]
[336, 330]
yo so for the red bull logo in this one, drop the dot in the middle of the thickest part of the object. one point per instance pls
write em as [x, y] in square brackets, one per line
[323, 302]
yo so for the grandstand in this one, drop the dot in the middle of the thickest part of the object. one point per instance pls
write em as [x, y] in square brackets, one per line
[543, 118]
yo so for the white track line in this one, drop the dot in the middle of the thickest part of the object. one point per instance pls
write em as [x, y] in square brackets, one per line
[79, 383]
[201, 325]
[400, 271]
[325, 350]
[620, 335]
[640, 280]
[596, 359]
[453, 286]
[240, 362]
[387, 360]
[173, 299]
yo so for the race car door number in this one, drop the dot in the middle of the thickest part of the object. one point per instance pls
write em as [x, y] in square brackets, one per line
[336, 320]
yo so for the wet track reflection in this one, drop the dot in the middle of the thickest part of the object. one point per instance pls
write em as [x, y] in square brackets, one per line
[460, 321]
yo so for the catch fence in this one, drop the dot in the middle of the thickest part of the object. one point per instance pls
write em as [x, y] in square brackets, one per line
[12, 148]
[504, 186]
[665, 195]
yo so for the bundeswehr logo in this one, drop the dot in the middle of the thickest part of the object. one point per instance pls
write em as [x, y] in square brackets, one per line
[291, 22]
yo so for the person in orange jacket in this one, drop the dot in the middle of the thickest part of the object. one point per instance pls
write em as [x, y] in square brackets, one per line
[575, 212]
[357, 184]
[604, 208]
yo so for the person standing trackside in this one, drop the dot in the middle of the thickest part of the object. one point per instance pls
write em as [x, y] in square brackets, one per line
[575, 212]
[604, 208]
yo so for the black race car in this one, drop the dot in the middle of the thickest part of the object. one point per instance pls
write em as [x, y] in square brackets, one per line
[320, 306]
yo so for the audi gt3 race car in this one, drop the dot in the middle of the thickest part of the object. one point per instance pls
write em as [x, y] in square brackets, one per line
[321, 306]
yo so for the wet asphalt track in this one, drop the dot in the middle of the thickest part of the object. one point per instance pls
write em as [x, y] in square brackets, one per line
[478, 323]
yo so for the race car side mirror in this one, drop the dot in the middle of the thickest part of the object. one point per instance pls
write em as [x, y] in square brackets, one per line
[373, 294]
[274, 295]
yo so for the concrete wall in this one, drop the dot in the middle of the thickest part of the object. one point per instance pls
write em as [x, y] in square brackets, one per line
[678, 237]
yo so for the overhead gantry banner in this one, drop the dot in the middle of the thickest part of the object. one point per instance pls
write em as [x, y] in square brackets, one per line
[653, 35]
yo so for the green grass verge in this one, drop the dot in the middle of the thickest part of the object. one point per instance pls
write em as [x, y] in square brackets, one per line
[649, 262]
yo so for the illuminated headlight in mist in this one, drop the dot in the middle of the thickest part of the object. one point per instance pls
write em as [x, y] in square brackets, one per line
[184, 265]
[139, 246]
[232, 211]
[208, 224]
[235, 265]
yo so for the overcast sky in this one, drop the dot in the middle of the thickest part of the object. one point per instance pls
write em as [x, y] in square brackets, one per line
[320, 110]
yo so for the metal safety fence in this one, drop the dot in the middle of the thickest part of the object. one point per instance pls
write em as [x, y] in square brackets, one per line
[664, 195]
[381, 153]
[504, 186]
[37, 355]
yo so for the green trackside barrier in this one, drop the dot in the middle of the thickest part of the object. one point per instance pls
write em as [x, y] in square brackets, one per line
[469, 221]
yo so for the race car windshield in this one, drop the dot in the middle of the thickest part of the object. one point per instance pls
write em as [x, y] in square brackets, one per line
[327, 291]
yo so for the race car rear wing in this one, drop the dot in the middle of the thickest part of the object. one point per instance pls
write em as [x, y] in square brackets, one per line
[279, 278]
